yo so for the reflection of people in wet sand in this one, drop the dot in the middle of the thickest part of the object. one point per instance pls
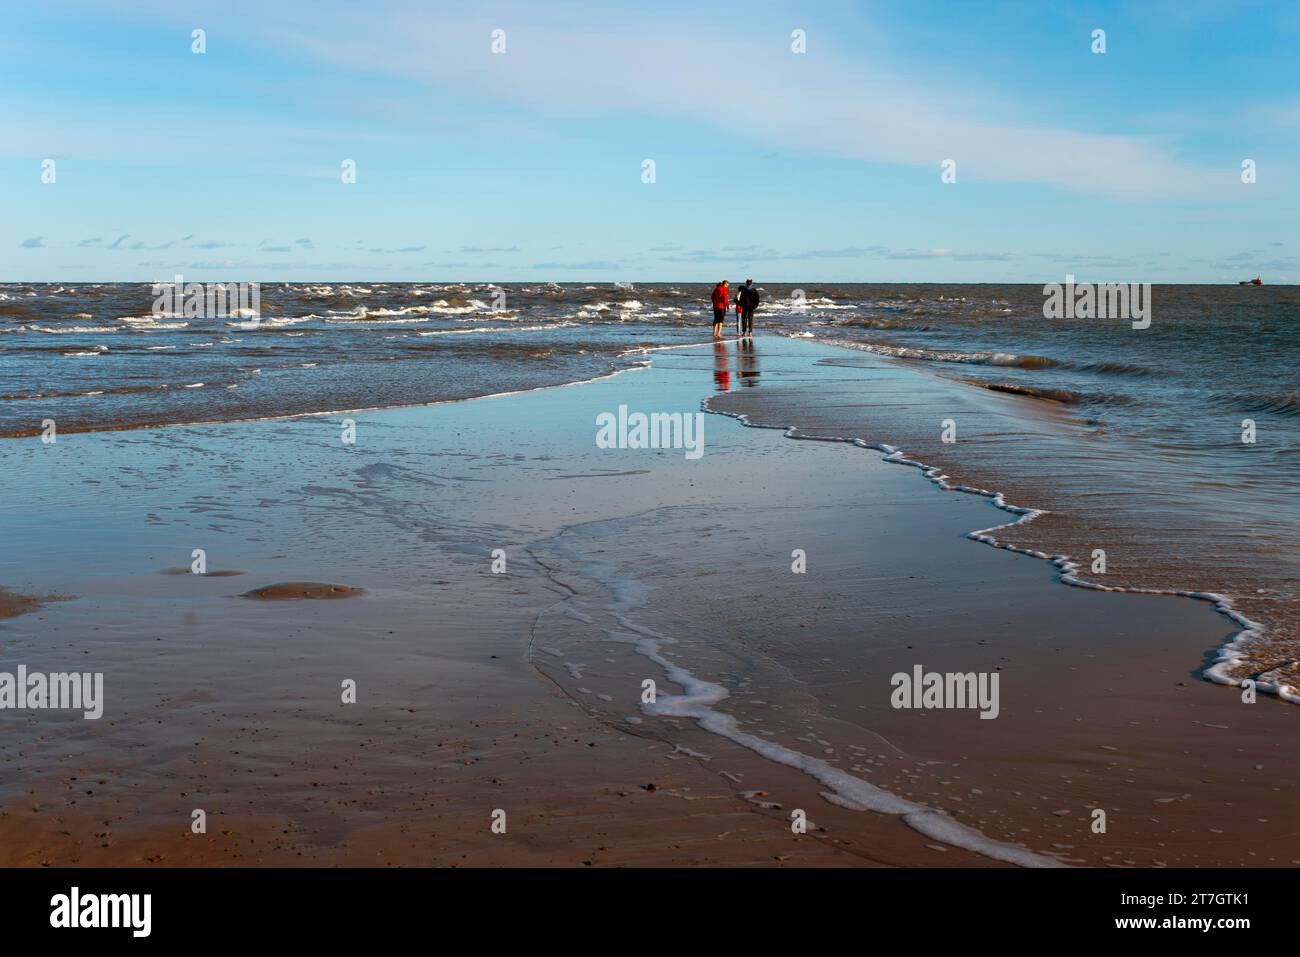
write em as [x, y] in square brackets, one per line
[721, 367]
[747, 367]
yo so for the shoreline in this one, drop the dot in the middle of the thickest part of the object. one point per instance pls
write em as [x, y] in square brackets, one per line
[361, 410]
[1226, 654]
[1075, 512]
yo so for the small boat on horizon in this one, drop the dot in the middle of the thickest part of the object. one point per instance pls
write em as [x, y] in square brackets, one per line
[1251, 282]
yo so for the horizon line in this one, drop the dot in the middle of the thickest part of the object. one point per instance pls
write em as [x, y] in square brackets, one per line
[643, 282]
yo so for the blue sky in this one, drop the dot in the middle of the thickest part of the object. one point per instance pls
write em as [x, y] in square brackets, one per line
[527, 165]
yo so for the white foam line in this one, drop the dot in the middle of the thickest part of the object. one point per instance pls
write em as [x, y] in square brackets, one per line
[700, 696]
[847, 790]
[640, 367]
[478, 329]
[645, 350]
[1228, 656]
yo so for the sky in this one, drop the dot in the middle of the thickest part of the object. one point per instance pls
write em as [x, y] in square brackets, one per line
[127, 156]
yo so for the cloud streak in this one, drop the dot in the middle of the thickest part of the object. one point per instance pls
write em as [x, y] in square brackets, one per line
[808, 103]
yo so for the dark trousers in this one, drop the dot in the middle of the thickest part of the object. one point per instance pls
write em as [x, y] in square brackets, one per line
[746, 320]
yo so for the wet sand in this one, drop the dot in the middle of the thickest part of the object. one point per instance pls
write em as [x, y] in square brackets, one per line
[1095, 494]
[517, 691]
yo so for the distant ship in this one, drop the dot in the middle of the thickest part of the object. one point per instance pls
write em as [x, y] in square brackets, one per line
[1251, 282]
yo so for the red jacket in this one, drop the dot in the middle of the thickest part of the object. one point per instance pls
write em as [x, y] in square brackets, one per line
[720, 296]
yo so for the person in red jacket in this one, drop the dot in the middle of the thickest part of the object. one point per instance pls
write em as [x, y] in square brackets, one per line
[719, 307]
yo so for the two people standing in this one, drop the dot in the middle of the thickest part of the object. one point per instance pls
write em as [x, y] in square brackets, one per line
[746, 302]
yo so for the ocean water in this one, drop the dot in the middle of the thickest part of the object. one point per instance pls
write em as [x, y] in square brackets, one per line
[1158, 467]
[95, 356]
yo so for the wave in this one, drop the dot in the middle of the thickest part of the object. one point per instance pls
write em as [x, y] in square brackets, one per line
[63, 330]
[1279, 403]
[940, 355]
[1053, 394]
[1064, 396]
[480, 329]
[1113, 368]
[881, 322]
[129, 390]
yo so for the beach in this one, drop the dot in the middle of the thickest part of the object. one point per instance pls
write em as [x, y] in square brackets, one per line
[515, 439]
[497, 588]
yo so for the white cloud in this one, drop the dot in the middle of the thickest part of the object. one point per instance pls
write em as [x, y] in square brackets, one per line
[598, 65]
[584, 60]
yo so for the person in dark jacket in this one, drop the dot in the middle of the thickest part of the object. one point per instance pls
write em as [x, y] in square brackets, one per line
[747, 300]
[719, 307]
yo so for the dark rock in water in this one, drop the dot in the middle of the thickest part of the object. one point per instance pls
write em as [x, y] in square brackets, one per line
[294, 591]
